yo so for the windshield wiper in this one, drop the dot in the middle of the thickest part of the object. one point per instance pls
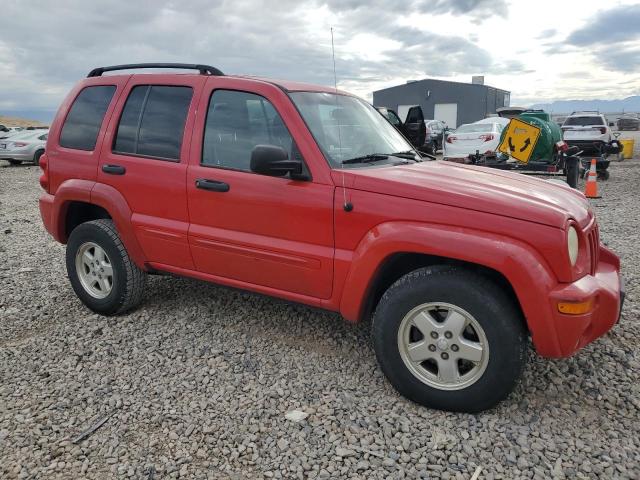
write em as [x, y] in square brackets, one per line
[409, 155]
[372, 157]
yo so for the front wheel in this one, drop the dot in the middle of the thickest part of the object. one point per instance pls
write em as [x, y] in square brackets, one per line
[101, 272]
[448, 338]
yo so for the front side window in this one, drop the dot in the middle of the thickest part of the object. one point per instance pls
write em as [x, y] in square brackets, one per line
[346, 127]
[152, 121]
[393, 118]
[236, 123]
[82, 125]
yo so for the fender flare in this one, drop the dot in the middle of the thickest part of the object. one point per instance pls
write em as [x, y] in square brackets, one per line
[74, 190]
[113, 201]
[523, 267]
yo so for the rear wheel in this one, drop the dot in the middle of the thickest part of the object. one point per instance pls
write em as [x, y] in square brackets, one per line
[572, 169]
[449, 339]
[101, 272]
[36, 157]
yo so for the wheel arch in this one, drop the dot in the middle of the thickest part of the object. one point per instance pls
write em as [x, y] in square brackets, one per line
[391, 249]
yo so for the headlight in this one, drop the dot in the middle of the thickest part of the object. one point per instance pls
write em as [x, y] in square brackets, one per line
[572, 245]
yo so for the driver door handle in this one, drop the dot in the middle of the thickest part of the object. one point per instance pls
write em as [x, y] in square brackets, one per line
[212, 185]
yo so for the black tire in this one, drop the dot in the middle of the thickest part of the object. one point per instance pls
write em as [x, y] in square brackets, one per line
[500, 319]
[13, 161]
[128, 280]
[572, 170]
[603, 175]
[36, 157]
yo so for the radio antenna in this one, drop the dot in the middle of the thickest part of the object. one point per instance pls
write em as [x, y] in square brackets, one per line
[346, 205]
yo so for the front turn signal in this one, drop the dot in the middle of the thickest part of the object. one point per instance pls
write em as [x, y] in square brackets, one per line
[576, 308]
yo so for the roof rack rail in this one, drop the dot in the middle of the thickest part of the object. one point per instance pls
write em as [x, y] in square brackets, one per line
[586, 111]
[204, 69]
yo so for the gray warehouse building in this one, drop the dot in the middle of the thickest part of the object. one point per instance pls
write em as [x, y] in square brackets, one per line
[454, 103]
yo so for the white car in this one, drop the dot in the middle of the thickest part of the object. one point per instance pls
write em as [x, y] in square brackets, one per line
[25, 146]
[587, 130]
[482, 137]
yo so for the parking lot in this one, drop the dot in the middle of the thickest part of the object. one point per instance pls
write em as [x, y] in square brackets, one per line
[196, 383]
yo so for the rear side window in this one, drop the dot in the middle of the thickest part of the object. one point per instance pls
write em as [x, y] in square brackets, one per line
[152, 121]
[81, 127]
[584, 121]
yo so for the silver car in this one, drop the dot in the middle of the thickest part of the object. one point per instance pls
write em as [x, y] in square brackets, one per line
[25, 146]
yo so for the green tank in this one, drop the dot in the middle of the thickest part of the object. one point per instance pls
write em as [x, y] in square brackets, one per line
[550, 133]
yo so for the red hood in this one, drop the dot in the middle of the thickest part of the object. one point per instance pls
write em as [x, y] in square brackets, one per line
[475, 188]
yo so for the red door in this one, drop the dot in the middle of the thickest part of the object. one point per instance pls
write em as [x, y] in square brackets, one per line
[272, 233]
[144, 157]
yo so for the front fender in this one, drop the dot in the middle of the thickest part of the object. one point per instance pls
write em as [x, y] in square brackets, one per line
[524, 268]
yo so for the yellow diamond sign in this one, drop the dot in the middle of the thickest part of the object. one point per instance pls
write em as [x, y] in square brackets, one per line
[519, 140]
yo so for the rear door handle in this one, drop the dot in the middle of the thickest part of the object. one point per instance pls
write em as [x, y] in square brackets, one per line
[212, 185]
[114, 169]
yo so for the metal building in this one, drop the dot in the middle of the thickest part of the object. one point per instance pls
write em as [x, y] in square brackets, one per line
[454, 103]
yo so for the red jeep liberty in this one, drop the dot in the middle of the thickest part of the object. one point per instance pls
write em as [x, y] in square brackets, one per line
[309, 194]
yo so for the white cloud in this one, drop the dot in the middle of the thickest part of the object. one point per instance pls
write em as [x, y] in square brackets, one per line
[535, 49]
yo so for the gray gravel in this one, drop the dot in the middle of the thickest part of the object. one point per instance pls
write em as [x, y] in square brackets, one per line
[197, 382]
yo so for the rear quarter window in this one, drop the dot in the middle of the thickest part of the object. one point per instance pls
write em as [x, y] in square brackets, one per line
[584, 121]
[83, 122]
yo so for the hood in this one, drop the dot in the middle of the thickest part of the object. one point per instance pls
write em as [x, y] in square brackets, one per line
[477, 188]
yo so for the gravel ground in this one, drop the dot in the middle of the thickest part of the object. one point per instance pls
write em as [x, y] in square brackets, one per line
[196, 383]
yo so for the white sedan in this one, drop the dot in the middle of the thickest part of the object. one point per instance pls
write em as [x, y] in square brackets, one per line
[482, 137]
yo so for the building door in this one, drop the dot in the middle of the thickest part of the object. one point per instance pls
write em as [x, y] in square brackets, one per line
[447, 113]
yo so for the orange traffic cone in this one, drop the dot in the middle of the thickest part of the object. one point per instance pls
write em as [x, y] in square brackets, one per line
[591, 187]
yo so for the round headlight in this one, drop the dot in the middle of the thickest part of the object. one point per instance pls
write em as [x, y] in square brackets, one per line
[572, 245]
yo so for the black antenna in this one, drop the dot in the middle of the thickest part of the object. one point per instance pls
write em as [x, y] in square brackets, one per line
[347, 206]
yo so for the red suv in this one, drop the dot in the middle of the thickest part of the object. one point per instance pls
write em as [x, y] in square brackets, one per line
[307, 193]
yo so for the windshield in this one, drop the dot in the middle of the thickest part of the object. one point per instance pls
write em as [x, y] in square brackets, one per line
[347, 128]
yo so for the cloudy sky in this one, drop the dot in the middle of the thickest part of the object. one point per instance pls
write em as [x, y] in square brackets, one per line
[539, 50]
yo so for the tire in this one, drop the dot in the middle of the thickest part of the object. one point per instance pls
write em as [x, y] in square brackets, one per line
[572, 170]
[501, 336]
[603, 175]
[36, 157]
[12, 161]
[110, 294]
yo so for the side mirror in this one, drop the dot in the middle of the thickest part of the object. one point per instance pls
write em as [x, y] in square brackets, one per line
[274, 161]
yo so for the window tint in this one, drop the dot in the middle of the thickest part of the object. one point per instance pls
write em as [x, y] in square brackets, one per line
[414, 115]
[236, 123]
[152, 121]
[393, 118]
[584, 121]
[81, 127]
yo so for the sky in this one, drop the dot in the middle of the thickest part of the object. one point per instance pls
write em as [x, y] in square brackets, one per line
[541, 50]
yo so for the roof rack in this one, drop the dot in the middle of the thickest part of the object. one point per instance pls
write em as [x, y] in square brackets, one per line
[204, 69]
[585, 111]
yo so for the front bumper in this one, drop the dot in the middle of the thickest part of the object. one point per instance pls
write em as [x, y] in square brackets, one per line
[606, 288]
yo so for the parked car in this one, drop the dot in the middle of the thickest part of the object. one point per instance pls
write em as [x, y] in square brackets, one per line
[25, 146]
[309, 194]
[7, 131]
[587, 130]
[435, 131]
[413, 127]
[629, 122]
[482, 137]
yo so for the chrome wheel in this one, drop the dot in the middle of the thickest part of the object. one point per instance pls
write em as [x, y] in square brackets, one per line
[94, 270]
[443, 346]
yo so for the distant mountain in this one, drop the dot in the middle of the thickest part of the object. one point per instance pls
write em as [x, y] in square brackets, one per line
[44, 116]
[629, 104]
